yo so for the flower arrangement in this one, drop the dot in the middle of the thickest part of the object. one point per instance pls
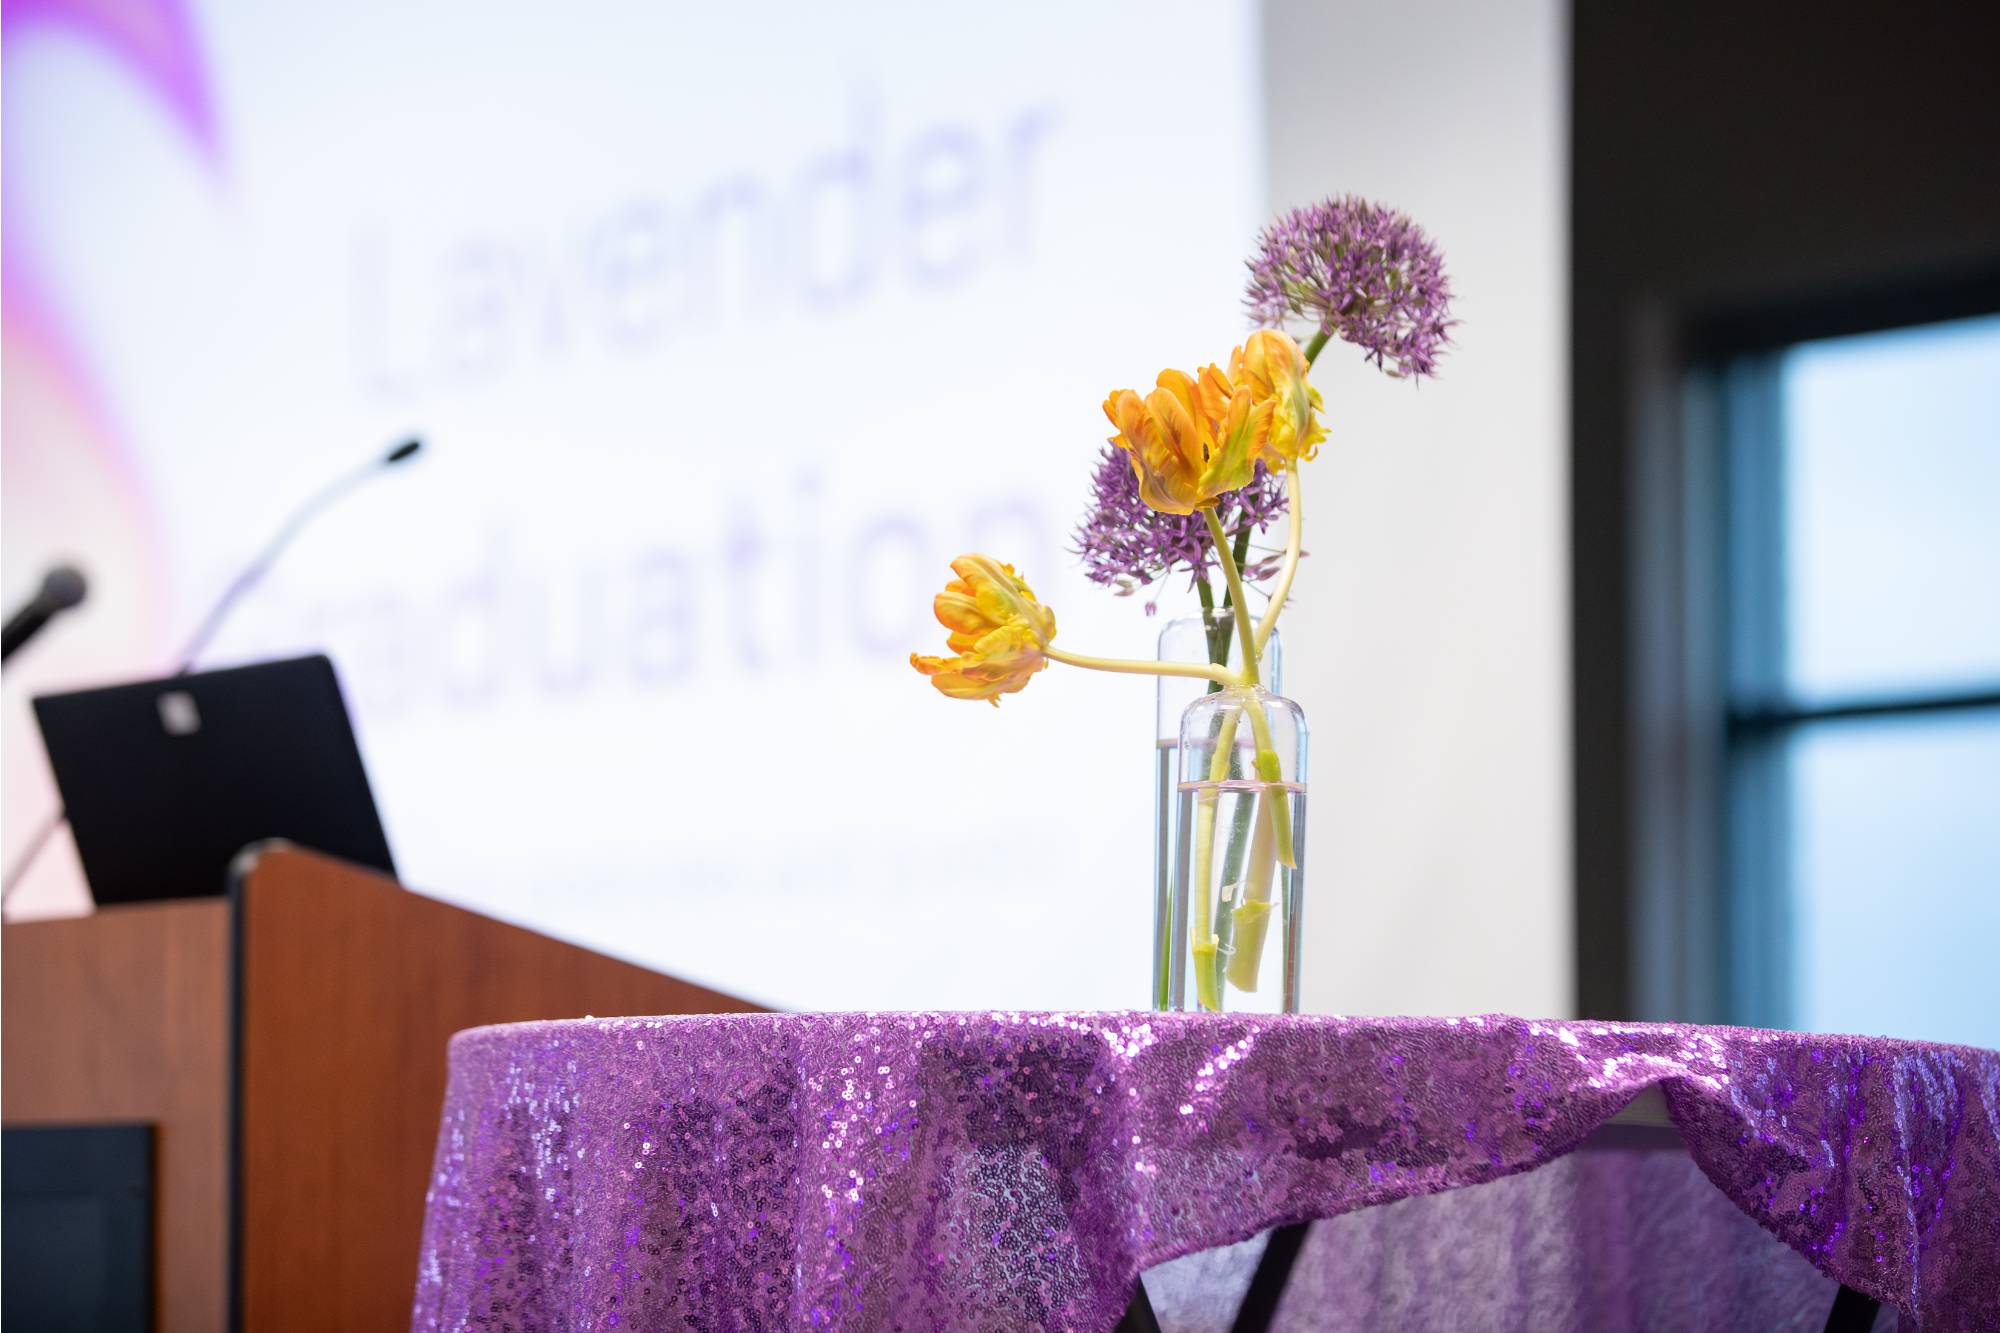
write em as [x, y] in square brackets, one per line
[1192, 470]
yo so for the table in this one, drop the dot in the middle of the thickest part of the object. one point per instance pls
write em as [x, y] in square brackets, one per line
[1021, 1170]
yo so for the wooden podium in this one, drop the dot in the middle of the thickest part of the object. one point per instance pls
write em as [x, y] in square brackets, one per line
[287, 1043]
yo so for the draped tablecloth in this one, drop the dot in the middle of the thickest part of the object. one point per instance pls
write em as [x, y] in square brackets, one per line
[1021, 1170]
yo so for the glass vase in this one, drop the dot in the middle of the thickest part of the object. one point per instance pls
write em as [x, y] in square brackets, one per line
[1239, 864]
[1207, 637]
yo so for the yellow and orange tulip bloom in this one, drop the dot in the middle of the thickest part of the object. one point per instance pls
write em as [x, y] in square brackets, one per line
[1190, 440]
[1193, 440]
[998, 631]
[1274, 369]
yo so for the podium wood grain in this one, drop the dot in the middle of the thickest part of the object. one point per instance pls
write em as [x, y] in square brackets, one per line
[124, 1015]
[347, 988]
[350, 988]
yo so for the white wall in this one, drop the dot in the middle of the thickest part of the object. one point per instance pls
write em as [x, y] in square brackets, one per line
[1428, 643]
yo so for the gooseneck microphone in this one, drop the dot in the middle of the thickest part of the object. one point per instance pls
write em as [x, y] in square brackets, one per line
[62, 588]
[253, 573]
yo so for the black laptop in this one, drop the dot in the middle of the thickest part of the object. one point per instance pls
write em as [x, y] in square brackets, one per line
[167, 780]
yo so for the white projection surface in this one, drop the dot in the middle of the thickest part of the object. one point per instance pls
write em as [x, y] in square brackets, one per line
[727, 327]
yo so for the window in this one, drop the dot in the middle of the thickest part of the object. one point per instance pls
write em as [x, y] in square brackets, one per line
[1861, 748]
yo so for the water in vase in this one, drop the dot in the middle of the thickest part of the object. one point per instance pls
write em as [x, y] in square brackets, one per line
[1208, 637]
[1235, 924]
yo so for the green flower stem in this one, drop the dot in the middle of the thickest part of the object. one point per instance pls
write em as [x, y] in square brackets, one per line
[1268, 768]
[1216, 635]
[1294, 536]
[1239, 606]
[1247, 646]
[1229, 891]
[1248, 921]
[1250, 918]
[1134, 667]
[1271, 840]
[1294, 524]
[1240, 812]
[1203, 943]
[1243, 930]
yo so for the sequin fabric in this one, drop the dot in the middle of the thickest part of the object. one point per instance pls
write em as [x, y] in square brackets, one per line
[1019, 1170]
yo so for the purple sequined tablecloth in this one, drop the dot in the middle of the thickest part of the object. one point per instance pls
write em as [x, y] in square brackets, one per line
[1019, 1170]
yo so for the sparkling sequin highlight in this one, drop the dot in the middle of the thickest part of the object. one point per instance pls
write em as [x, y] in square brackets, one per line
[1017, 1170]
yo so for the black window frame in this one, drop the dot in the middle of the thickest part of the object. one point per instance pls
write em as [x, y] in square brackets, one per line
[1702, 759]
[1728, 190]
[1733, 393]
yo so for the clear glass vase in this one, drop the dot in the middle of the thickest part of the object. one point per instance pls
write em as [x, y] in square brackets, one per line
[1239, 865]
[1207, 637]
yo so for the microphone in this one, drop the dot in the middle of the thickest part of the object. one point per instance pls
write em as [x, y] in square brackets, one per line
[62, 588]
[254, 572]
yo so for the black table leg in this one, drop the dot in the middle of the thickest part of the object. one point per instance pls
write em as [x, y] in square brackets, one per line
[1260, 1302]
[1139, 1316]
[1852, 1312]
[1267, 1284]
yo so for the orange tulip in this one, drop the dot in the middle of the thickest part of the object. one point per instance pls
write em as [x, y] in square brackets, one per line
[1190, 441]
[998, 631]
[1274, 369]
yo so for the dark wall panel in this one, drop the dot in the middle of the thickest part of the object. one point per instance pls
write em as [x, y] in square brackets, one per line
[1731, 162]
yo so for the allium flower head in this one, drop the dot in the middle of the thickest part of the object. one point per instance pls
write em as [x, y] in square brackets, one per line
[1126, 543]
[1360, 272]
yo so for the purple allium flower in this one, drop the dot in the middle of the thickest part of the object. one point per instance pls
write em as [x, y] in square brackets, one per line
[1125, 543]
[1360, 272]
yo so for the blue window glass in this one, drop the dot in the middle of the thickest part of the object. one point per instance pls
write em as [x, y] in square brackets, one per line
[1895, 837]
[1892, 497]
[1864, 736]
